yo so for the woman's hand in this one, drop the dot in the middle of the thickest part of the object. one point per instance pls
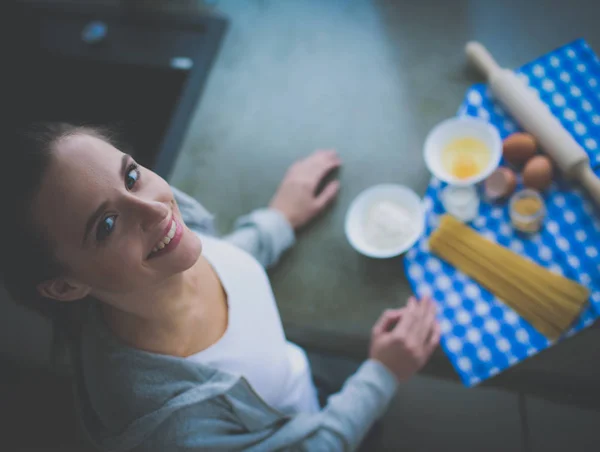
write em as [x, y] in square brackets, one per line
[404, 339]
[296, 198]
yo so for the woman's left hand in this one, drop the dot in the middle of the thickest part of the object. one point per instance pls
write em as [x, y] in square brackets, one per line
[296, 198]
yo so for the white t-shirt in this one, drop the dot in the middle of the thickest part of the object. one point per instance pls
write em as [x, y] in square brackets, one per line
[254, 345]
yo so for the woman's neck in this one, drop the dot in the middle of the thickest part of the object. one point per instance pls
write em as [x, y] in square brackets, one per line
[175, 319]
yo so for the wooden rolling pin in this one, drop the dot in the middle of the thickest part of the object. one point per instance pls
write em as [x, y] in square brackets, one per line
[536, 118]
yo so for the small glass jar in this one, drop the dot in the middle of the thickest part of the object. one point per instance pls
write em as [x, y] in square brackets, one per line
[527, 211]
[461, 202]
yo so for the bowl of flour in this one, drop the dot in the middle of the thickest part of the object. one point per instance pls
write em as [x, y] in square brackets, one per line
[385, 221]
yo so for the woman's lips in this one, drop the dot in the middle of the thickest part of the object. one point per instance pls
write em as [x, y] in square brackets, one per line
[174, 241]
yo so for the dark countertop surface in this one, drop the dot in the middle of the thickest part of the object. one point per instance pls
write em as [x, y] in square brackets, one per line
[369, 79]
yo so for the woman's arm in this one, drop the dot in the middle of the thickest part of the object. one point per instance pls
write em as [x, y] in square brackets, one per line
[402, 341]
[267, 233]
[347, 418]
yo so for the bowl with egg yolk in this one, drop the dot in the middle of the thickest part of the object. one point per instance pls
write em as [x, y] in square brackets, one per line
[463, 151]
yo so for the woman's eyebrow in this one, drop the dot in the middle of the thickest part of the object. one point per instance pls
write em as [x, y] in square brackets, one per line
[94, 217]
[124, 161]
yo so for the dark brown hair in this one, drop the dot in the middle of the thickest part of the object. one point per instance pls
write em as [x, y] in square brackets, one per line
[27, 257]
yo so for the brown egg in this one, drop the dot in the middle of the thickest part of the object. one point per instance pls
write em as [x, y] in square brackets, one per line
[500, 184]
[537, 173]
[518, 148]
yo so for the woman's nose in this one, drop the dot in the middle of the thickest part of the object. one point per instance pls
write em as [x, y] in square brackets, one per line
[150, 212]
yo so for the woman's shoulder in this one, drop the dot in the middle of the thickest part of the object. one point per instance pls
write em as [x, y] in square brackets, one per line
[194, 214]
[144, 401]
[121, 390]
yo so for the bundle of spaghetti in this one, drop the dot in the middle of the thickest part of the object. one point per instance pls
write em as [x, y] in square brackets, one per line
[549, 302]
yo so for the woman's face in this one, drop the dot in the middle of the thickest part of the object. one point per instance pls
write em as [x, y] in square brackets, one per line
[108, 221]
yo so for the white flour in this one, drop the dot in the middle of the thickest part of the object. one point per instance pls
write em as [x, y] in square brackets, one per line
[387, 225]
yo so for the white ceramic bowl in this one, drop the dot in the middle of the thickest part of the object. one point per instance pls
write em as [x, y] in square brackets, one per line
[451, 129]
[357, 213]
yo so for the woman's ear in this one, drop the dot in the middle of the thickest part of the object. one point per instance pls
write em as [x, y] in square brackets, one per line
[63, 290]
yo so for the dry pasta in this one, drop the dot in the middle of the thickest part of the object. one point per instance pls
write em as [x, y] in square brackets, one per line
[548, 301]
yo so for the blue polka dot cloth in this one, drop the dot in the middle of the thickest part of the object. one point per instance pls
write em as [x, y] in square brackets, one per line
[481, 335]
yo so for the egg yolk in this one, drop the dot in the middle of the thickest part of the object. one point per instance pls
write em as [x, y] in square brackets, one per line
[466, 157]
[465, 167]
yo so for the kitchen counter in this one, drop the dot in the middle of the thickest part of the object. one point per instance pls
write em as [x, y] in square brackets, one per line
[369, 79]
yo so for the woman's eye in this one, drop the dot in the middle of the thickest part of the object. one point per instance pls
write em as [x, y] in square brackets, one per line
[105, 228]
[132, 176]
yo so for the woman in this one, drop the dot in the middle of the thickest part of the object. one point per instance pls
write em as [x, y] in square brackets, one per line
[181, 346]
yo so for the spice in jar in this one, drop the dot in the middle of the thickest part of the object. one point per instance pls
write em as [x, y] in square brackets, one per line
[527, 211]
[527, 206]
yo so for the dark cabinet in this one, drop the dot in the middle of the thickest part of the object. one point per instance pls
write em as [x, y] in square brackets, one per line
[141, 73]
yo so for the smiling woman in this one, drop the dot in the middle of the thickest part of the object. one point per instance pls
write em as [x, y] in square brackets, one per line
[179, 345]
[90, 221]
[134, 208]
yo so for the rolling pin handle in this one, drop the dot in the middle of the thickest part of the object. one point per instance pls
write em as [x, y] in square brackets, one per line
[480, 56]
